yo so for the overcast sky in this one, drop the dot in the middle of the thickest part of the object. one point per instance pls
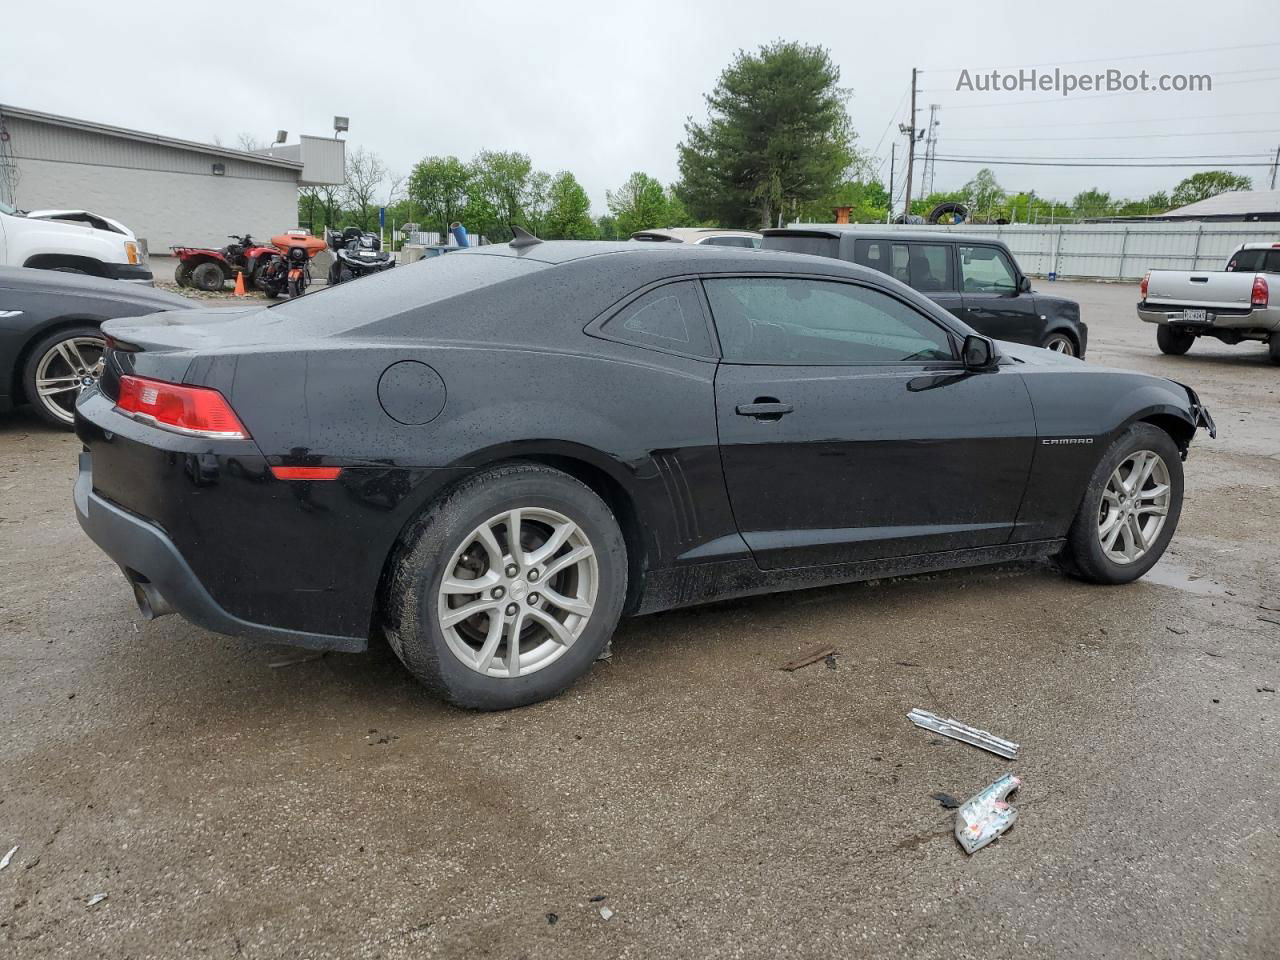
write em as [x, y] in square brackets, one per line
[604, 89]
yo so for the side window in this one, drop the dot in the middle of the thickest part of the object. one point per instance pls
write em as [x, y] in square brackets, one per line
[1246, 261]
[987, 270]
[784, 320]
[872, 253]
[930, 266]
[899, 263]
[669, 317]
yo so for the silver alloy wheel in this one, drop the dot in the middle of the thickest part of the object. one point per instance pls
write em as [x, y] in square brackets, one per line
[518, 592]
[1061, 343]
[66, 370]
[1135, 504]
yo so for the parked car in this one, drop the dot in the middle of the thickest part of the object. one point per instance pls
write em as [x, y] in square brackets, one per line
[71, 241]
[50, 338]
[711, 236]
[491, 456]
[975, 278]
[1232, 305]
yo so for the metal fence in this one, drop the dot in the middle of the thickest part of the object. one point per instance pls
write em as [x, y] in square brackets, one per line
[1113, 251]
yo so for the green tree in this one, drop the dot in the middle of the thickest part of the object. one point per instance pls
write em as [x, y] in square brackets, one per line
[1092, 203]
[607, 228]
[1208, 183]
[500, 185]
[868, 200]
[777, 132]
[438, 186]
[984, 197]
[569, 212]
[639, 204]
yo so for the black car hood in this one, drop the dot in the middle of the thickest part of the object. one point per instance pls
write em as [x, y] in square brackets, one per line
[56, 283]
[1036, 356]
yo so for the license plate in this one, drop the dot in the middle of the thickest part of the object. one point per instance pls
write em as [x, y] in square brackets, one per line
[1194, 316]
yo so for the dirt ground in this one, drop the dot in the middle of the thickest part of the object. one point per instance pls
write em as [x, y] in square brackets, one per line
[231, 801]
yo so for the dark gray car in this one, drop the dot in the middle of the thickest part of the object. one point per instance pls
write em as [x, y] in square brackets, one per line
[973, 277]
[51, 343]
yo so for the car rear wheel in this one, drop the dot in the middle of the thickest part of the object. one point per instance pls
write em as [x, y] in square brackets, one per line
[1172, 341]
[1130, 508]
[60, 367]
[1273, 346]
[1061, 343]
[508, 589]
[208, 276]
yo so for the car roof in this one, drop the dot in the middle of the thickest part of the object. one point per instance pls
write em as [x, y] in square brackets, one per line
[867, 232]
[564, 251]
[690, 234]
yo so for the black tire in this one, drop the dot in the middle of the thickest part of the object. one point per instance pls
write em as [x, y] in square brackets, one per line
[297, 288]
[335, 274]
[208, 276]
[1083, 556]
[1273, 347]
[182, 274]
[1063, 343]
[1172, 341]
[30, 370]
[261, 282]
[410, 597]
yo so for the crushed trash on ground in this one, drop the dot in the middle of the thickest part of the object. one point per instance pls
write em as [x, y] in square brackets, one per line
[986, 815]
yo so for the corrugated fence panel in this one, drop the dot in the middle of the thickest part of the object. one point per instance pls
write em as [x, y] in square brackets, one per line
[1112, 251]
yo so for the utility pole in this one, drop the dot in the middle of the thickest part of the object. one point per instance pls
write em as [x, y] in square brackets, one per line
[1275, 163]
[910, 130]
[893, 148]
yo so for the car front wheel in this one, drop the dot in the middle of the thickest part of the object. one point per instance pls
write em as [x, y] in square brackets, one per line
[508, 589]
[1130, 508]
[1061, 343]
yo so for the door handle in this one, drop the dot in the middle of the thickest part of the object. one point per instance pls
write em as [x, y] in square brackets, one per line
[764, 408]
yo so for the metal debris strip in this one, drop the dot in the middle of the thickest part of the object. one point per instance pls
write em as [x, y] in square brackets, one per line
[4, 861]
[965, 733]
[985, 816]
[96, 899]
[812, 655]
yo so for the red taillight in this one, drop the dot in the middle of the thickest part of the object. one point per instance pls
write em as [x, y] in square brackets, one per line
[306, 473]
[1261, 294]
[1143, 286]
[196, 411]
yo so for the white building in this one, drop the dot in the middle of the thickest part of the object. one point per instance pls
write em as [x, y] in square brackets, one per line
[167, 191]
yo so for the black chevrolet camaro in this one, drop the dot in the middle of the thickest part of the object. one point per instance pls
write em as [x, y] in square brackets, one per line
[492, 456]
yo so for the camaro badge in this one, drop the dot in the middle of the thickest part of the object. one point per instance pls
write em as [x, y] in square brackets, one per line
[1070, 440]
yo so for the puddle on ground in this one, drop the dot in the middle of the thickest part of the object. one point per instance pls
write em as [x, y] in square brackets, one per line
[1167, 573]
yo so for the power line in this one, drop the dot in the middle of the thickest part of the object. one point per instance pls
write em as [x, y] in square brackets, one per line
[1043, 163]
[1175, 156]
[1131, 122]
[1131, 136]
[1130, 56]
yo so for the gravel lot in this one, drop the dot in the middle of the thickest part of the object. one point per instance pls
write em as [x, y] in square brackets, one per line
[231, 806]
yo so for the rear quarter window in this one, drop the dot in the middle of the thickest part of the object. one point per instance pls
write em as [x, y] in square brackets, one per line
[669, 318]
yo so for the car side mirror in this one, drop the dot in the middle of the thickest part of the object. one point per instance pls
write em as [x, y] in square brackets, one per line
[1024, 285]
[979, 353]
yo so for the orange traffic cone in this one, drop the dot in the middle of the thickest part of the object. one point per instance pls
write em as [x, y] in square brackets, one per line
[240, 283]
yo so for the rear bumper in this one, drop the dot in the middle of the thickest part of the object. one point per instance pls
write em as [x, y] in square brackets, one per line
[1262, 320]
[163, 580]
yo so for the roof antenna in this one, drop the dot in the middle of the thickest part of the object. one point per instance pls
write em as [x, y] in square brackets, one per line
[522, 238]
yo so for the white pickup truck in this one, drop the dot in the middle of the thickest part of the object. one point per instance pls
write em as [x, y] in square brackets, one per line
[1231, 305]
[75, 241]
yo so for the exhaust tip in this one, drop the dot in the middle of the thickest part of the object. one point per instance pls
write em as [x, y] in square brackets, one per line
[151, 604]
